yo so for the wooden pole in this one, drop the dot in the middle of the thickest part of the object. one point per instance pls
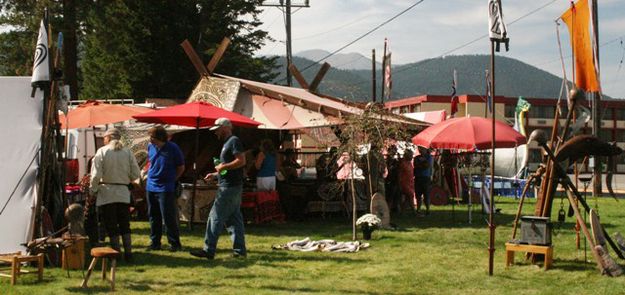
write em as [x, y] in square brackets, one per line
[491, 217]
[289, 54]
[596, 104]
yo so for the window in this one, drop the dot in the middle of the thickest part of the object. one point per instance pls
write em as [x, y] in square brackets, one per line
[619, 114]
[605, 134]
[509, 110]
[542, 112]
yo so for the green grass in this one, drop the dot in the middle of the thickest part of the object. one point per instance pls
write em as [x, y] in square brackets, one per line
[437, 254]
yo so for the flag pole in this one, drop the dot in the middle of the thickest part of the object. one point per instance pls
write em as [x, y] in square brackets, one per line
[491, 221]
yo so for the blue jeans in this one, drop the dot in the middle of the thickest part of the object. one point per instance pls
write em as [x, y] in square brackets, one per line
[162, 207]
[226, 211]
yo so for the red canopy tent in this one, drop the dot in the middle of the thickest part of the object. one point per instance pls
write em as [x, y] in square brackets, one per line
[195, 114]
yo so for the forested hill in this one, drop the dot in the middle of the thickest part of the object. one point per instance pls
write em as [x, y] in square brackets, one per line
[434, 76]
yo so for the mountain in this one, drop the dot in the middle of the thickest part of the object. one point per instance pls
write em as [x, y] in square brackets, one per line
[434, 76]
[343, 61]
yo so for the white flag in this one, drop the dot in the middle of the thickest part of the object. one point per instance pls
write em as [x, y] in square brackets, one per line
[497, 28]
[41, 65]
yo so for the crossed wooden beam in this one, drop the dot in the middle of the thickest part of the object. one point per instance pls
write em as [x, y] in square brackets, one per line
[209, 69]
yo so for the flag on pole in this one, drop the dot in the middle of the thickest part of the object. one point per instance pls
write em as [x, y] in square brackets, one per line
[577, 19]
[388, 82]
[41, 65]
[497, 28]
[454, 97]
[489, 95]
[522, 107]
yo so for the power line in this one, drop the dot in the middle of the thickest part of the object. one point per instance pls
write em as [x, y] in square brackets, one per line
[364, 35]
[476, 39]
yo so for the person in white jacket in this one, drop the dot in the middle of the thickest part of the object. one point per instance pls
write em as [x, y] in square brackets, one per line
[113, 172]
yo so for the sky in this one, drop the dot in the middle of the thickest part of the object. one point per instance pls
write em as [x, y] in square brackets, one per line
[434, 28]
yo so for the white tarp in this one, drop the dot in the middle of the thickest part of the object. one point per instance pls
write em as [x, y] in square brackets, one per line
[20, 125]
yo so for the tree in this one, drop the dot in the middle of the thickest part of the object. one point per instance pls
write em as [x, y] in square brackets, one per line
[374, 128]
[131, 48]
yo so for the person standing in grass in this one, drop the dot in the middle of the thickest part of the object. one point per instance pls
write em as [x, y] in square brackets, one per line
[226, 209]
[166, 166]
[422, 179]
[114, 168]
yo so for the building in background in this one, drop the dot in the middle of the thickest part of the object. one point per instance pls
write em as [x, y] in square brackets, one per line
[540, 116]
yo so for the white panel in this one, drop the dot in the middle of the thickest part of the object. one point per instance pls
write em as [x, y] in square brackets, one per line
[20, 121]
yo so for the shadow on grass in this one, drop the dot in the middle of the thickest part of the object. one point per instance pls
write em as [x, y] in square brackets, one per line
[272, 258]
[311, 290]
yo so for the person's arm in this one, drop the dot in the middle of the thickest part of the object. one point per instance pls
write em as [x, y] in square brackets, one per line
[179, 171]
[135, 172]
[259, 160]
[96, 173]
[238, 162]
[179, 161]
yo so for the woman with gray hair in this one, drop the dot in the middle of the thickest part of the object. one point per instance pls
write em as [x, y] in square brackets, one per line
[113, 171]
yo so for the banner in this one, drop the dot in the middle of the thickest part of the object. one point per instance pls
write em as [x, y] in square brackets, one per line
[522, 107]
[577, 19]
[388, 82]
[497, 28]
[41, 65]
[489, 94]
[454, 97]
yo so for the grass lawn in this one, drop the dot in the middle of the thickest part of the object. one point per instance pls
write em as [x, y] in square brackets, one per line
[437, 254]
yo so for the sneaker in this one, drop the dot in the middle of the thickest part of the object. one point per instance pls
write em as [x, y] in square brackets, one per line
[175, 248]
[202, 254]
[153, 248]
[237, 255]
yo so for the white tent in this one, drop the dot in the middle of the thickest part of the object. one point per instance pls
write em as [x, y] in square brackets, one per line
[20, 125]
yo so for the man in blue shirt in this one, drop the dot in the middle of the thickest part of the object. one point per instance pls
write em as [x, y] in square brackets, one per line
[166, 166]
[227, 206]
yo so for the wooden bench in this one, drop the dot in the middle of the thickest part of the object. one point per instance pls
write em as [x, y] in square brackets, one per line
[105, 253]
[547, 251]
[16, 259]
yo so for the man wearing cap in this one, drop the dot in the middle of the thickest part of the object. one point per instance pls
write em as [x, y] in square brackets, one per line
[166, 166]
[226, 209]
[114, 167]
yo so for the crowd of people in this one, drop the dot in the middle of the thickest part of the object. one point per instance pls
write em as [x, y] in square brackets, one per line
[404, 180]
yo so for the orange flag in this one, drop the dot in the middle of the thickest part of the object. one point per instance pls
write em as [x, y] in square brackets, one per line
[577, 20]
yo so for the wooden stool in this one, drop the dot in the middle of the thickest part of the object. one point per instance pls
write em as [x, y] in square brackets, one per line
[16, 259]
[104, 253]
[545, 250]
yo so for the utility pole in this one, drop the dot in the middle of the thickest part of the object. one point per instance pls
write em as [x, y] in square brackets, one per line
[596, 104]
[287, 5]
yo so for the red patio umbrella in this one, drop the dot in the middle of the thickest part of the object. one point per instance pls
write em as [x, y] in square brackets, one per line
[468, 133]
[195, 114]
[92, 113]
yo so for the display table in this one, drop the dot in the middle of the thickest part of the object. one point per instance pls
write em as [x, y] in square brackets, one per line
[204, 197]
[265, 206]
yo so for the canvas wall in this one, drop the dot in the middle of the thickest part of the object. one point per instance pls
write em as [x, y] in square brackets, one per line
[20, 126]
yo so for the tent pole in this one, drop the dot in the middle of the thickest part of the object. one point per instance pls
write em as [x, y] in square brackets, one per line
[195, 151]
